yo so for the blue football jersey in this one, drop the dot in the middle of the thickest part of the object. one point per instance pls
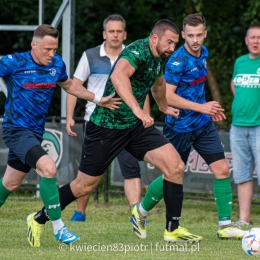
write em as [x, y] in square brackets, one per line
[189, 74]
[30, 88]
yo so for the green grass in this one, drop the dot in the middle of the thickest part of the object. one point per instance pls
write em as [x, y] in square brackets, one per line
[108, 228]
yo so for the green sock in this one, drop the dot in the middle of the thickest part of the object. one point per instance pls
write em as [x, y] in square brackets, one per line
[50, 197]
[223, 197]
[154, 194]
[4, 193]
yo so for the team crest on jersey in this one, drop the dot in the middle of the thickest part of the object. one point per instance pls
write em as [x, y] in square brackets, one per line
[258, 71]
[53, 72]
[205, 63]
[52, 144]
[158, 68]
[10, 56]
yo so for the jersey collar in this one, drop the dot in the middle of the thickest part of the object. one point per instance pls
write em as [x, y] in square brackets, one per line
[102, 49]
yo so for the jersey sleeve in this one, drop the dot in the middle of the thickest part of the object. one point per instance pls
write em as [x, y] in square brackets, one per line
[63, 76]
[174, 71]
[133, 56]
[7, 65]
[82, 71]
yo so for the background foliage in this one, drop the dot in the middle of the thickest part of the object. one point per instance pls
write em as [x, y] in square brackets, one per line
[227, 22]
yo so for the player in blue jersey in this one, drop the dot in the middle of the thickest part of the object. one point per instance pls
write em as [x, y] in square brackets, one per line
[137, 70]
[31, 78]
[185, 76]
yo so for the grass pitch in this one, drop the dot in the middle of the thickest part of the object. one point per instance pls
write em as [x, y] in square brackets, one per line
[107, 233]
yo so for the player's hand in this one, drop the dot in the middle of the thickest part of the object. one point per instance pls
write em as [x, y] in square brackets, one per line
[218, 117]
[144, 117]
[171, 111]
[69, 123]
[110, 102]
[211, 108]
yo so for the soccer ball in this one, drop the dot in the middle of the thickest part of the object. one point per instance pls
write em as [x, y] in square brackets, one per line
[251, 241]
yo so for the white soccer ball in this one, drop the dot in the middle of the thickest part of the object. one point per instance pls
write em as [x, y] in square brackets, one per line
[251, 241]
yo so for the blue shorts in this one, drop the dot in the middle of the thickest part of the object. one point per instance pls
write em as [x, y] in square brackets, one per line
[245, 148]
[20, 141]
[205, 141]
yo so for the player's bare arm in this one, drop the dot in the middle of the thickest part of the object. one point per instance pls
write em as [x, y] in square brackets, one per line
[211, 108]
[74, 88]
[159, 94]
[70, 107]
[121, 81]
[232, 87]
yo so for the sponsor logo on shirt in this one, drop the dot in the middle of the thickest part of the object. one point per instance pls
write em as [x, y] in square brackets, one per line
[39, 85]
[175, 63]
[135, 52]
[247, 80]
[199, 80]
[258, 71]
[10, 56]
[29, 71]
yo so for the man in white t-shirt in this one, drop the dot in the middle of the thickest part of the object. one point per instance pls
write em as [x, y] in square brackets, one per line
[95, 65]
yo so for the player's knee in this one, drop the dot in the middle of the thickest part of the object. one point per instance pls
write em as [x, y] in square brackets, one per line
[223, 172]
[180, 168]
[13, 186]
[50, 171]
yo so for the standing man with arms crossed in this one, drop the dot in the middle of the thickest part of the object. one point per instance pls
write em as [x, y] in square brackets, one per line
[138, 69]
[185, 76]
[95, 65]
[31, 78]
[245, 129]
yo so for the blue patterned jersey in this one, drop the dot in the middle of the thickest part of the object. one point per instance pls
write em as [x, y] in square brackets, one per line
[30, 88]
[189, 74]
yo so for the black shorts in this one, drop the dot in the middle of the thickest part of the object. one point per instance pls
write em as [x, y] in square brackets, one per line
[102, 145]
[129, 165]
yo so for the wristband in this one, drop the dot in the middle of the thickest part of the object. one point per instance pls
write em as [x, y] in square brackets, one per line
[96, 99]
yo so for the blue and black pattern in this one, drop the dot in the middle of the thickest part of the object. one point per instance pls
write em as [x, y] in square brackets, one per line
[189, 74]
[30, 88]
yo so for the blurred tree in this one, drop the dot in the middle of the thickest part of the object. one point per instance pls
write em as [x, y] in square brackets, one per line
[226, 24]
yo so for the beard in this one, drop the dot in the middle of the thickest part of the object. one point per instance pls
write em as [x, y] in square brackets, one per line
[162, 54]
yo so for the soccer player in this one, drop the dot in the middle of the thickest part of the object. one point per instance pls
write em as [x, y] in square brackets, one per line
[185, 76]
[31, 78]
[138, 69]
[95, 65]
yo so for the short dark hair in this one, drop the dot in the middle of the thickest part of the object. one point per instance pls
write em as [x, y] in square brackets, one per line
[162, 26]
[253, 26]
[113, 17]
[194, 20]
[46, 29]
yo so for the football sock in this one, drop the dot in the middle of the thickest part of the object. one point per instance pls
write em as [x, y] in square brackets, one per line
[173, 197]
[57, 225]
[4, 193]
[143, 211]
[66, 197]
[154, 194]
[223, 198]
[50, 197]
